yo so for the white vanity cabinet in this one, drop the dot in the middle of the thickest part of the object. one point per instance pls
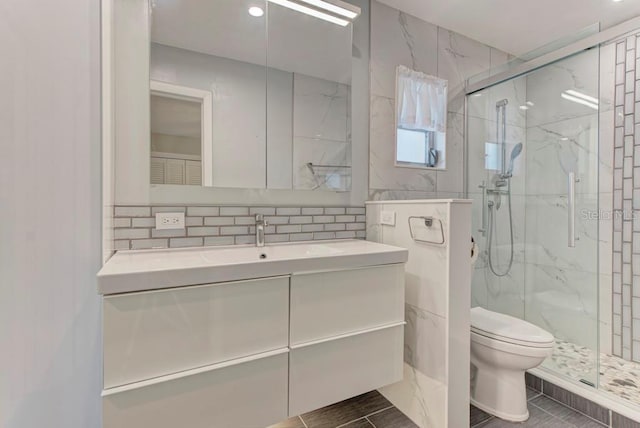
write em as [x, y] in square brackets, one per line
[160, 332]
[252, 352]
[347, 332]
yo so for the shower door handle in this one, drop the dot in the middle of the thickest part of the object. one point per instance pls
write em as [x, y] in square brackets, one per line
[483, 226]
[571, 205]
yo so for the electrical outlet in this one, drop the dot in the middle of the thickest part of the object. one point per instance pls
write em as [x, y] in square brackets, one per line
[170, 221]
[388, 218]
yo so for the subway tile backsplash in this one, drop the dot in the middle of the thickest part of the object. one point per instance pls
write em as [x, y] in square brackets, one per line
[225, 225]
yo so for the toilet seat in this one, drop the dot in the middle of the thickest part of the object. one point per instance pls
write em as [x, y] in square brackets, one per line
[505, 328]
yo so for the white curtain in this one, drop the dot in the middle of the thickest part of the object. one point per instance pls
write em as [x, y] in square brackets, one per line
[421, 101]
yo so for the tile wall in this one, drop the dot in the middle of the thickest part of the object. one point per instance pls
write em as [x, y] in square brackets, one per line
[401, 39]
[626, 201]
[226, 225]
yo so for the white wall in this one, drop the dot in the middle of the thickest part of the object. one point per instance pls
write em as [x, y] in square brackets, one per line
[50, 201]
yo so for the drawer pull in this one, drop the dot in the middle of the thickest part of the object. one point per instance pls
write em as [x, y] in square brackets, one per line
[346, 335]
[192, 372]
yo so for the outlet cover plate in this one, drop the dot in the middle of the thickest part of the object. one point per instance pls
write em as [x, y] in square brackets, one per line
[169, 220]
[388, 218]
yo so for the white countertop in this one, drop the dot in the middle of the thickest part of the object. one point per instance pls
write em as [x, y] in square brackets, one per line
[129, 271]
[419, 201]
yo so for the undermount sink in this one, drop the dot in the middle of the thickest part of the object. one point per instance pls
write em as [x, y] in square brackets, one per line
[139, 270]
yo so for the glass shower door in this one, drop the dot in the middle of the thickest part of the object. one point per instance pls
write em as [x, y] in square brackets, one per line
[561, 268]
[544, 194]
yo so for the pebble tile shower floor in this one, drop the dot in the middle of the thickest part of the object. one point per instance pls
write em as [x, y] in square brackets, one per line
[617, 376]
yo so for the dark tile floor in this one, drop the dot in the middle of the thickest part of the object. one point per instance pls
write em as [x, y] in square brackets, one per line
[544, 412]
[370, 410]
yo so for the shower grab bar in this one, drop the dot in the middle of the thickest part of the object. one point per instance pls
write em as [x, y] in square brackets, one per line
[571, 204]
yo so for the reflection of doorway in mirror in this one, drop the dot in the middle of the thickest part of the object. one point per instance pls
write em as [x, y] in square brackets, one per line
[180, 140]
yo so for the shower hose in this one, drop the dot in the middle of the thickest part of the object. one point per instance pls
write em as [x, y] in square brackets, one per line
[492, 230]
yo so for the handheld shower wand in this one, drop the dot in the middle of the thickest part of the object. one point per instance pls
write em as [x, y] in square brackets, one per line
[514, 154]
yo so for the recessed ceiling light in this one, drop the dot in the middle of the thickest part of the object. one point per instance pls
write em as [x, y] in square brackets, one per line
[256, 11]
[616, 1]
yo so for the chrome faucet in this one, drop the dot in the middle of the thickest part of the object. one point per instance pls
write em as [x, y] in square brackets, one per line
[261, 223]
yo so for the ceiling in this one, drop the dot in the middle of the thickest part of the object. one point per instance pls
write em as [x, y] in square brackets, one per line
[288, 40]
[518, 26]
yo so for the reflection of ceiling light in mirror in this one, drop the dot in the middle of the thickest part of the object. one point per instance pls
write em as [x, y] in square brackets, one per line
[563, 139]
[256, 11]
[529, 103]
[309, 11]
[524, 107]
[338, 10]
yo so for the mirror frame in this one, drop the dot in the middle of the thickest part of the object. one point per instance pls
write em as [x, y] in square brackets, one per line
[205, 98]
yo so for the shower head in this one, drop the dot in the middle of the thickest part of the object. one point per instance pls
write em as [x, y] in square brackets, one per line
[516, 151]
[502, 103]
[514, 154]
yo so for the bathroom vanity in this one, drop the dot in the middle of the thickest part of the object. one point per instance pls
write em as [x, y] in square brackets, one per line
[246, 336]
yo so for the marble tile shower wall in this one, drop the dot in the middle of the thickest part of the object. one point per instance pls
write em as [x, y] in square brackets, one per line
[626, 201]
[401, 39]
[215, 225]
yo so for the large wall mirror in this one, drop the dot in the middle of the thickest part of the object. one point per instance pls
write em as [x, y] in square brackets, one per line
[241, 94]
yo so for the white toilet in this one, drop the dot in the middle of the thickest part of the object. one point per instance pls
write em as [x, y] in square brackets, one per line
[502, 349]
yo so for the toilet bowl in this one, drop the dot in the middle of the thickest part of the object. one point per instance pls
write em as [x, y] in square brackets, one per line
[502, 349]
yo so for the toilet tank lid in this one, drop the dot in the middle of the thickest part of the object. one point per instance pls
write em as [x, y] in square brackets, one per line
[508, 327]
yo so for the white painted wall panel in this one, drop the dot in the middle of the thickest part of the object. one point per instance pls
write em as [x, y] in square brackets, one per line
[50, 250]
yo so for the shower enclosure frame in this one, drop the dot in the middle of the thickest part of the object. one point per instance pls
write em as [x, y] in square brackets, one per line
[595, 40]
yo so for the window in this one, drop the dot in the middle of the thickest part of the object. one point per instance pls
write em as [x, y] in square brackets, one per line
[421, 112]
[417, 147]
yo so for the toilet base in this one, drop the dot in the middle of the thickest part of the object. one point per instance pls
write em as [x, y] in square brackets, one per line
[504, 416]
[501, 393]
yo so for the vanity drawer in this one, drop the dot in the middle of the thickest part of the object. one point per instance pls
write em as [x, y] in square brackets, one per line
[248, 394]
[334, 370]
[327, 304]
[155, 333]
